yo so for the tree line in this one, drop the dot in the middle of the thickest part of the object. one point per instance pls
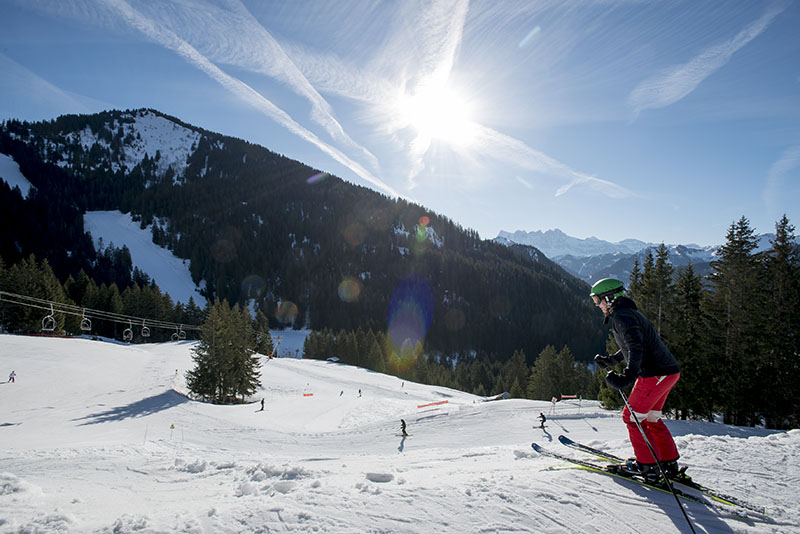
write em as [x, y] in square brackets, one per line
[139, 297]
[735, 333]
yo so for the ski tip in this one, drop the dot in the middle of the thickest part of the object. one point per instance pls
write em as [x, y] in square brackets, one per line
[565, 440]
[536, 447]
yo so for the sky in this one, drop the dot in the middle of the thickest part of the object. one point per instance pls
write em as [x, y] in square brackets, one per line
[659, 121]
[100, 437]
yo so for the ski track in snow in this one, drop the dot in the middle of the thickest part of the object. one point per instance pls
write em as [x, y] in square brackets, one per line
[98, 437]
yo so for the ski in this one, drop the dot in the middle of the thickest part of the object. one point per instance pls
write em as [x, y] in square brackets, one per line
[735, 511]
[601, 469]
[708, 492]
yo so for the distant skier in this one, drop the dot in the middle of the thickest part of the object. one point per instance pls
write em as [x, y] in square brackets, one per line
[403, 428]
[12, 377]
[542, 419]
[651, 366]
[359, 392]
[262, 405]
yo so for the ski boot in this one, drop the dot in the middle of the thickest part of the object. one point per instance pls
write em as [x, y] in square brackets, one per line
[634, 469]
[676, 473]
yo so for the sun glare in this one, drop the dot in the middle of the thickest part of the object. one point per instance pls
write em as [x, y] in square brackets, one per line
[438, 113]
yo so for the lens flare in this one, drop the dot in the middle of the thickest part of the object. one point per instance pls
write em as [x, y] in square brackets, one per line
[286, 312]
[253, 286]
[319, 177]
[410, 316]
[223, 251]
[355, 234]
[349, 289]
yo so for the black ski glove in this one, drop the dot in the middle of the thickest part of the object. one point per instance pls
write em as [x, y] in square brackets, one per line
[604, 362]
[620, 380]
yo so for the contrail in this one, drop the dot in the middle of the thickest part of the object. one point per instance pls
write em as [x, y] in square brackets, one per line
[170, 40]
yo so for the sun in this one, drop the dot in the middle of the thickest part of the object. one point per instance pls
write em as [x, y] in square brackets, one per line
[440, 113]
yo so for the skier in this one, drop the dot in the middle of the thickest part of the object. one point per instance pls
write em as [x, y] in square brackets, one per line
[653, 370]
[403, 427]
[542, 419]
[12, 377]
[262, 405]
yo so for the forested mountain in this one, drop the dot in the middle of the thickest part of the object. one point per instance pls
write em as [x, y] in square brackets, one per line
[306, 248]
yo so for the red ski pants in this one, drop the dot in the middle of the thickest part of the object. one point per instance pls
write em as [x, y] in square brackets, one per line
[647, 399]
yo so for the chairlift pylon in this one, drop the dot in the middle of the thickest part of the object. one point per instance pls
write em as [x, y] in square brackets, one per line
[49, 322]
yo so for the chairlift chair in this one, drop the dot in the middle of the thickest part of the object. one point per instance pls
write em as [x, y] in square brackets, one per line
[86, 323]
[49, 322]
[145, 330]
[127, 334]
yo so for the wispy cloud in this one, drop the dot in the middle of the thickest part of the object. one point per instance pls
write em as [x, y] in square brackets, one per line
[170, 40]
[510, 150]
[779, 174]
[676, 82]
[232, 36]
[19, 80]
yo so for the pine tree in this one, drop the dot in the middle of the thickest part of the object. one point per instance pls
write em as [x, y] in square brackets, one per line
[734, 332]
[780, 364]
[663, 289]
[225, 365]
[516, 371]
[692, 396]
[553, 374]
[263, 337]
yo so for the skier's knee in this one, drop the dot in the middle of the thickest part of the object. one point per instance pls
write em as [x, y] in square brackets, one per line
[653, 416]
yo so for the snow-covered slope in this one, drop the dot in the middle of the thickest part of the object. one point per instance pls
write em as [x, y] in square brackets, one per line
[142, 133]
[98, 437]
[170, 272]
[11, 174]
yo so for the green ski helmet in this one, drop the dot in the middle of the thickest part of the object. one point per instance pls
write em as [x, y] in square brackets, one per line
[607, 288]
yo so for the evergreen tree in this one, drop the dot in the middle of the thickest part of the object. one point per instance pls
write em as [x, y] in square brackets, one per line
[263, 337]
[553, 374]
[735, 324]
[780, 363]
[692, 396]
[516, 371]
[663, 290]
[225, 365]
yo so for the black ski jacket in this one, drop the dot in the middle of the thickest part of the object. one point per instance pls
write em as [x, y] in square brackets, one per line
[642, 349]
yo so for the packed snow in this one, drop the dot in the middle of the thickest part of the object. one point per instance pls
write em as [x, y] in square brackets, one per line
[100, 437]
[12, 175]
[169, 272]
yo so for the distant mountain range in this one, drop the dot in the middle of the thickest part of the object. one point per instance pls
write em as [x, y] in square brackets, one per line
[592, 259]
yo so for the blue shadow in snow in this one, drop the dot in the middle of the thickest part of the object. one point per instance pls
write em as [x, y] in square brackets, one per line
[147, 406]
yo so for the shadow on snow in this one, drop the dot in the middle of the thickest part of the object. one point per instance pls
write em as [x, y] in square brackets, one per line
[150, 405]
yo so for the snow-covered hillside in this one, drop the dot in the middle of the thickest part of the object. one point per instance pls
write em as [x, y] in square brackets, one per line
[11, 174]
[170, 272]
[99, 437]
[143, 133]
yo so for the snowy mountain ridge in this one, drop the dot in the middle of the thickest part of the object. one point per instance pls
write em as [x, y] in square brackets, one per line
[592, 259]
[555, 243]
